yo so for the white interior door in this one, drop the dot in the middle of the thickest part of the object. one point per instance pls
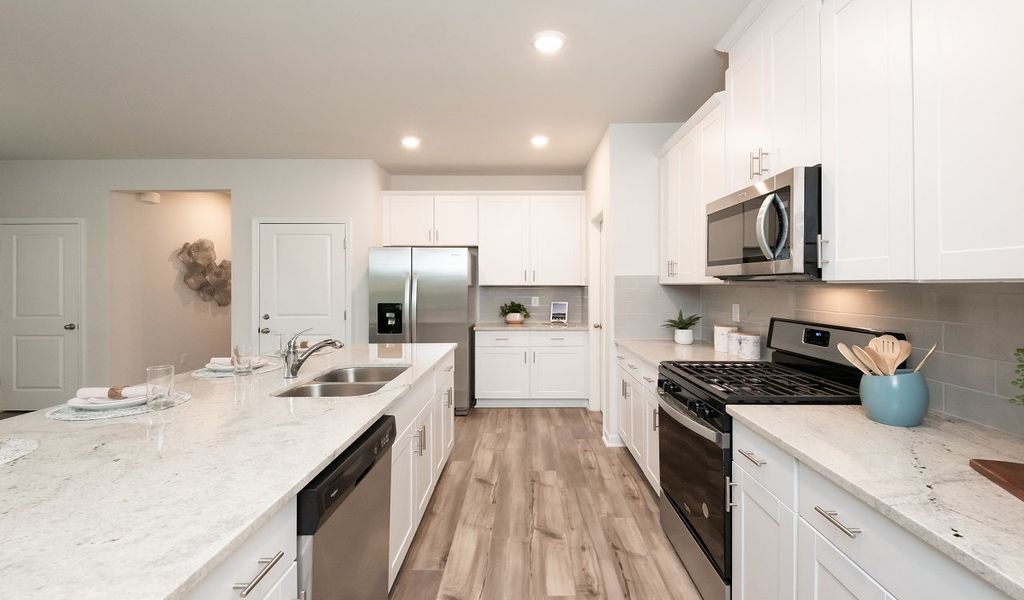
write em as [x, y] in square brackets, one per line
[40, 311]
[302, 282]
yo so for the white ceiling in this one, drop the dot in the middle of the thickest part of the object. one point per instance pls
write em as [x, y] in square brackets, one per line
[347, 79]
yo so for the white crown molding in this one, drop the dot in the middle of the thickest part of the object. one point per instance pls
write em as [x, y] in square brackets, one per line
[713, 102]
[742, 24]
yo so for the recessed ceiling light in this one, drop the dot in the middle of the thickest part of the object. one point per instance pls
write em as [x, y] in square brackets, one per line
[549, 41]
[411, 142]
[540, 140]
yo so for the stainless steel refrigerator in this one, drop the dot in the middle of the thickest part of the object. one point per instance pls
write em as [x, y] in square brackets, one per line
[422, 295]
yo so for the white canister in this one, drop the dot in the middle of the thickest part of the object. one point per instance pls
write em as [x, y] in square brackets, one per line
[734, 343]
[722, 337]
[750, 346]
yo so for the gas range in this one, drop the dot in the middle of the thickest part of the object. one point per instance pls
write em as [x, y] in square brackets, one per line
[695, 431]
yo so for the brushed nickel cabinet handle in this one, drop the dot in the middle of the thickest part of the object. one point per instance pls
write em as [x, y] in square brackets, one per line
[268, 566]
[71, 327]
[264, 330]
[750, 456]
[655, 421]
[752, 159]
[450, 369]
[833, 517]
[648, 379]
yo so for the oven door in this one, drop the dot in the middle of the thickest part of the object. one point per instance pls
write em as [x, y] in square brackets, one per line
[694, 459]
[759, 232]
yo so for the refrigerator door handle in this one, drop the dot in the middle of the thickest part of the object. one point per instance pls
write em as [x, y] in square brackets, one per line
[412, 309]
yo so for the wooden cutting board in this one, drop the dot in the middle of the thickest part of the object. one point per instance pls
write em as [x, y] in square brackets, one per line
[1007, 475]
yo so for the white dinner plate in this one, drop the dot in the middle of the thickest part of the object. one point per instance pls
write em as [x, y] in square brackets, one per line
[87, 405]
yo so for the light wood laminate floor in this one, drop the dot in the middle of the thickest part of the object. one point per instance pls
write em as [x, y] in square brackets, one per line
[532, 505]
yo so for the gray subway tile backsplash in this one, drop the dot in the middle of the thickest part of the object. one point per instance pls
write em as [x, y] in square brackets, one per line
[490, 299]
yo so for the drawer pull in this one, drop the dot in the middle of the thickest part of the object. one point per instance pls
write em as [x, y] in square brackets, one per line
[268, 566]
[449, 369]
[648, 379]
[750, 456]
[501, 339]
[554, 339]
[620, 357]
[833, 517]
[632, 366]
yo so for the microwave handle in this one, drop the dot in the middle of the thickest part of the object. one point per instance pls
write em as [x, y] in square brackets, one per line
[761, 228]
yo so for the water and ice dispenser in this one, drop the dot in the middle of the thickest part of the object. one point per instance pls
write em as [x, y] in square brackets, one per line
[389, 318]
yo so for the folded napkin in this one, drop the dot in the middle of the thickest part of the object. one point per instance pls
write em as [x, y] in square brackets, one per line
[221, 362]
[111, 394]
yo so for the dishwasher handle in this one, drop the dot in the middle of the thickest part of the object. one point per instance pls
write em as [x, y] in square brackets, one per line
[322, 496]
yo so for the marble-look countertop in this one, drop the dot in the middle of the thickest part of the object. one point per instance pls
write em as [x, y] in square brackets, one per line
[658, 351]
[529, 325]
[918, 477]
[146, 506]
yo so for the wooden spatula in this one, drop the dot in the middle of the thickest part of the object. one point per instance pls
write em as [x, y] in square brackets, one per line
[850, 356]
[866, 358]
[886, 347]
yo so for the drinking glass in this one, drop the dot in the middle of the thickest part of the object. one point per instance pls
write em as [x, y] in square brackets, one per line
[160, 387]
[244, 359]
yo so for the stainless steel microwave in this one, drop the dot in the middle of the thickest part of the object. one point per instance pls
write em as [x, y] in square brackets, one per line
[770, 230]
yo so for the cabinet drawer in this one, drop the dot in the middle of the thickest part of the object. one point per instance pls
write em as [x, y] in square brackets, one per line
[275, 541]
[649, 377]
[499, 339]
[765, 462]
[905, 565]
[406, 409]
[560, 338]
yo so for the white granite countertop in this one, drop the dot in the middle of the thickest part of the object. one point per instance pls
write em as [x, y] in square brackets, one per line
[657, 351]
[530, 326]
[144, 507]
[919, 477]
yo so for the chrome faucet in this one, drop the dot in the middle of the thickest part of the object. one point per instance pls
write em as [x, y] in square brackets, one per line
[293, 359]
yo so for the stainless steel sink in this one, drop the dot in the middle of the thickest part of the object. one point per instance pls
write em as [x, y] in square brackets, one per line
[361, 375]
[330, 390]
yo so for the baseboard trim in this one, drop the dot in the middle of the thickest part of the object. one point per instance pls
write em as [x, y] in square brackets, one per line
[532, 403]
[612, 441]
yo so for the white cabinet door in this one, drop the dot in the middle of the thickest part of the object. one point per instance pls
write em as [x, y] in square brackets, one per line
[404, 453]
[502, 373]
[287, 587]
[445, 403]
[763, 542]
[556, 240]
[558, 373]
[745, 107]
[455, 221]
[792, 85]
[40, 326]
[689, 200]
[408, 220]
[825, 573]
[968, 92]
[652, 466]
[867, 140]
[712, 185]
[669, 217]
[504, 254]
[637, 431]
[423, 469]
[625, 407]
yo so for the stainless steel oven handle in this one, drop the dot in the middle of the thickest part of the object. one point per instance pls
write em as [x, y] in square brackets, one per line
[689, 422]
[761, 228]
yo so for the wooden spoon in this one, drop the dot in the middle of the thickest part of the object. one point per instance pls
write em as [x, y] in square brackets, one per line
[925, 359]
[865, 358]
[850, 356]
[905, 349]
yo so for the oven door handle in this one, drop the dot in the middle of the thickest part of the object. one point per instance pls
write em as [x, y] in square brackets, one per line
[690, 423]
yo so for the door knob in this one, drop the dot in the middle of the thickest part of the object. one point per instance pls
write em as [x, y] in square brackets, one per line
[266, 317]
[71, 327]
[598, 326]
[265, 330]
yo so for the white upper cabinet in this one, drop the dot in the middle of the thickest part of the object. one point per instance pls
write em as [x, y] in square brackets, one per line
[692, 172]
[772, 93]
[408, 220]
[968, 94]
[504, 257]
[867, 140]
[455, 220]
[531, 240]
[429, 220]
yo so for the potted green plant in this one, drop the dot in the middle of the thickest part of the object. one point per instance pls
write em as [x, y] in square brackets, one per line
[683, 327]
[514, 313]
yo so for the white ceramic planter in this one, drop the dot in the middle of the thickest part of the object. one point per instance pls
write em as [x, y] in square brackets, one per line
[684, 336]
[514, 318]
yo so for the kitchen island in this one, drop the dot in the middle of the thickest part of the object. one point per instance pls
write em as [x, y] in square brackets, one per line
[145, 507]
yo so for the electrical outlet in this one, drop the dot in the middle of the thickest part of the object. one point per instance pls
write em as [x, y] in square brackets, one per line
[184, 358]
[534, 300]
[736, 313]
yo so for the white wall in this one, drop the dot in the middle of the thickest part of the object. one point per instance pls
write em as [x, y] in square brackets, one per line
[154, 317]
[486, 182]
[597, 178]
[347, 189]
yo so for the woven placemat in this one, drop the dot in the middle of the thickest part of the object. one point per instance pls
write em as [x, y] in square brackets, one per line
[69, 413]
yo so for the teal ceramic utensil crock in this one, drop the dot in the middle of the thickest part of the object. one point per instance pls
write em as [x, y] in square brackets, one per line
[900, 400]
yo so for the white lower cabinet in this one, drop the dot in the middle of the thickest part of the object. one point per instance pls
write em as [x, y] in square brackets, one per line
[638, 415]
[651, 464]
[521, 368]
[445, 427]
[625, 411]
[763, 542]
[828, 574]
[286, 588]
[403, 520]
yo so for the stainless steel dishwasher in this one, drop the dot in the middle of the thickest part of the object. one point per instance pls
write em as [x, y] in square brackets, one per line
[344, 516]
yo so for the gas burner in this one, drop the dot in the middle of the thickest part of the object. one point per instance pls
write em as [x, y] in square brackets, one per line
[737, 382]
